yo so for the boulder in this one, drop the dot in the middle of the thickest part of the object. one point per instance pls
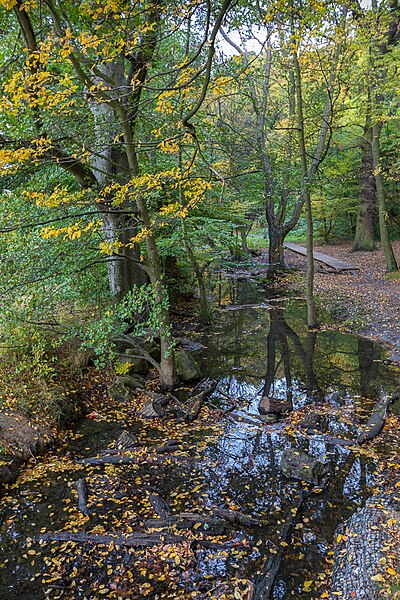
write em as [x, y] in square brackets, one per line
[186, 368]
[132, 382]
[299, 465]
[190, 345]
[135, 365]
[120, 392]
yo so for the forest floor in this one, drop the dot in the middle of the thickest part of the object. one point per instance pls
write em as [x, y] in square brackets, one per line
[367, 303]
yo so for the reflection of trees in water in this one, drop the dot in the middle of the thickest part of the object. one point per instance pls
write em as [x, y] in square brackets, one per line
[279, 335]
[250, 339]
[368, 354]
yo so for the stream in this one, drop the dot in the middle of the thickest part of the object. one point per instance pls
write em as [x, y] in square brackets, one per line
[258, 346]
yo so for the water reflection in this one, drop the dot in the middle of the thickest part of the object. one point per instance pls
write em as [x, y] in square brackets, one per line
[260, 349]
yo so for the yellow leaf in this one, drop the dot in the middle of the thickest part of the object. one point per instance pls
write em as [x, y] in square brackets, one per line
[391, 571]
[377, 578]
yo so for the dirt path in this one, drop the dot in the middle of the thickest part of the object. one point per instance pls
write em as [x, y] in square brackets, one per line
[367, 303]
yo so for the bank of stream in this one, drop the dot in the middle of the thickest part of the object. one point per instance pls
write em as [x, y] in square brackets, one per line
[229, 458]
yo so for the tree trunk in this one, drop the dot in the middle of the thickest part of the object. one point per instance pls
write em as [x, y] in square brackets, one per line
[110, 164]
[391, 264]
[311, 308]
[124, 269]
[365, 228]
[275, 250]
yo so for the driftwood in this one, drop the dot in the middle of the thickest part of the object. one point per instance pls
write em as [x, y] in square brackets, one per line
[218, 518]
[376, 421]
[82, 489]
[133, 540]
[237, 518]
[126, 441]
[126, 459]
[201, 392]
[159, 505]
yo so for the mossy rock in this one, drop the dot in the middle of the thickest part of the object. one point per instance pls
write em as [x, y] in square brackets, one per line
[299, 465]
[132, 364]
[122, 388]
[186, 367]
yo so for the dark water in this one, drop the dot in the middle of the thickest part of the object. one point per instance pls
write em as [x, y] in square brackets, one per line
[258, 346]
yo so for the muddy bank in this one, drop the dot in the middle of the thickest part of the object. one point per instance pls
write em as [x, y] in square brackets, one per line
[20, 440]
[33, 419]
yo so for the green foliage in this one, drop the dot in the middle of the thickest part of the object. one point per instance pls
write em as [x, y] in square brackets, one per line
[140, 312]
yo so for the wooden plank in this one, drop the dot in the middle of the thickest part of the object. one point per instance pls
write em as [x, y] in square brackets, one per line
[334, 263]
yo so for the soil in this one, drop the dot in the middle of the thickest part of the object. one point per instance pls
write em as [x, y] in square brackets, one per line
[21, 439]
[367, 303]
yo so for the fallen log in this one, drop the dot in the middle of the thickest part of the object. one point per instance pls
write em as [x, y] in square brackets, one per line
[376, 421]
[133, 540]
[159, 505]
[82, 489]
[327, 439]
[218, 517]
[151, 409]
[237, 518]
[122, 459]
[188, 521]
[203, 390]
[169, 448]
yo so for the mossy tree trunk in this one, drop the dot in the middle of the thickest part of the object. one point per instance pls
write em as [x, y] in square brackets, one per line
[364, 238]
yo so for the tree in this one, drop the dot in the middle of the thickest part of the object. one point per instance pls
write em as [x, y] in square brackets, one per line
[379, 28]
[85, 77]
[268, 82]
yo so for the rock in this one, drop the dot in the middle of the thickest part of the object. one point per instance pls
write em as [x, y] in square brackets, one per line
[274, 405]
[394, 409]
[299, 465]
[132, 382]
[134, 364]
[120, 392]
[313, 422]
[190, 345]
[9, 467]
[186, 368]
[133, 344]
